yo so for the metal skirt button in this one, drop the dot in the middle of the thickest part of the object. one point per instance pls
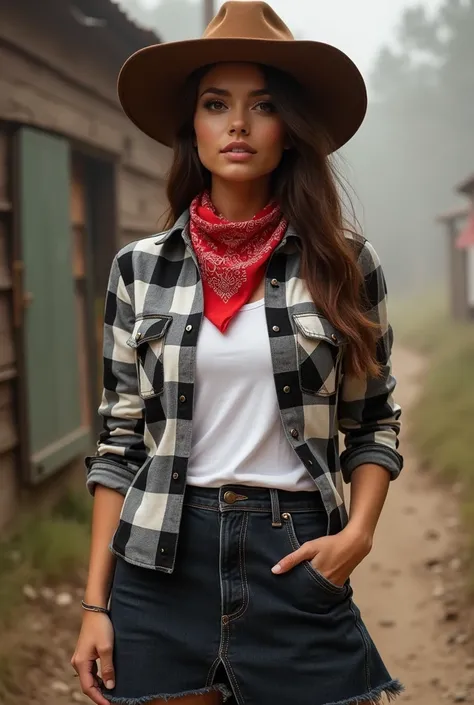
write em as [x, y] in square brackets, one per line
[230, 497]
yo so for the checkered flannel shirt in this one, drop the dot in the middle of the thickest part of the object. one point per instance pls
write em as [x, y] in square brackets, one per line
[154, 308]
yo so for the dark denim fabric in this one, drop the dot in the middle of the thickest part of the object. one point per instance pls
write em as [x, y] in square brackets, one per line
[223, 621]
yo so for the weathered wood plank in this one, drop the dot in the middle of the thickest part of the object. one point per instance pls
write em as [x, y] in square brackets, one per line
[37, 96]
[9, 493]
[49, 33]
[7, 352]
[142, 202]
[4, 173]
[8, 435]
[5, 274]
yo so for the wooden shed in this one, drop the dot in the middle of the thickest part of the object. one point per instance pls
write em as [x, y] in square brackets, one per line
[465, 243]
[77, 181]
[459, 224]
[452, 221]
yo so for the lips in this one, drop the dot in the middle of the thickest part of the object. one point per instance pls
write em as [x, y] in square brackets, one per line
[239, 148]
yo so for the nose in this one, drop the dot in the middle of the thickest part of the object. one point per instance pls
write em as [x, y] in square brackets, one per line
[238, 126]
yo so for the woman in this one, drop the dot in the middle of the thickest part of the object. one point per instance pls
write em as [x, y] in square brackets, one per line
[237, 344]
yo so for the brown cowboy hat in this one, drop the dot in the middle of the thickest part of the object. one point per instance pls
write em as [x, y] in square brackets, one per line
[151, 79]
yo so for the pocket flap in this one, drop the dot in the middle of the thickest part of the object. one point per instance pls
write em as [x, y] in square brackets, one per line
[149, 328]
[317, 327]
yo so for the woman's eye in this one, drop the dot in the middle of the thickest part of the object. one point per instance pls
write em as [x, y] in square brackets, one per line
[214, 105]
[266, 107]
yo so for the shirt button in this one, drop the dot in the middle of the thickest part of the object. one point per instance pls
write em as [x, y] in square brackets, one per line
[189, 328]
[275, 283]
[182, 399]
[163, 551]
[334, 337]
[294, 433]
[175, 476]
[287, 389]
[276, 329]
[225, 620]
[138, 336]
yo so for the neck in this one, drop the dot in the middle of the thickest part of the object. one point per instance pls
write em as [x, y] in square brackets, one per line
[239, 201]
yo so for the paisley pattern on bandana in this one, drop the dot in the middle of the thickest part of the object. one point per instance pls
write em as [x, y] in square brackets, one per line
[232, 255]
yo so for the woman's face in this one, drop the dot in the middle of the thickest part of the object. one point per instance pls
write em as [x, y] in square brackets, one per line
[239, 134]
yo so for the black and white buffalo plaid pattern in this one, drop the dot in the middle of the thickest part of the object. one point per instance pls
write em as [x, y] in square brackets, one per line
[154, 308]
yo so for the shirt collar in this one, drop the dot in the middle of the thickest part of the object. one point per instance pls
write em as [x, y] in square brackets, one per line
[178, 227]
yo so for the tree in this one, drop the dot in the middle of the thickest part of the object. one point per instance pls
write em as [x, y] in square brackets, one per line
[418, 141]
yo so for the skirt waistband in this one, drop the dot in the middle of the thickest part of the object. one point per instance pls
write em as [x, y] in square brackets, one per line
[259, 499]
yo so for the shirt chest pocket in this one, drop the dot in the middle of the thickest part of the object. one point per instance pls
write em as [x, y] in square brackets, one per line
[320, 348]
[148, 339]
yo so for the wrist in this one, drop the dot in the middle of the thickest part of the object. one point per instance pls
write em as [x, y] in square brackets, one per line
[98, 599]
[95, 608]
[360, 534]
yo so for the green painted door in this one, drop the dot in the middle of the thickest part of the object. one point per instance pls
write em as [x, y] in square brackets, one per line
[51, 395]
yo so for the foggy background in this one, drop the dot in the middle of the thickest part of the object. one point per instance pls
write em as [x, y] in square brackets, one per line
[417, 142]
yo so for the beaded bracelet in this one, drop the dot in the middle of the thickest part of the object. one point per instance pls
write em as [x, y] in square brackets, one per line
[94, 608]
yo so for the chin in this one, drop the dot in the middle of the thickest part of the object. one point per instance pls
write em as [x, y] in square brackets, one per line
[240, 173]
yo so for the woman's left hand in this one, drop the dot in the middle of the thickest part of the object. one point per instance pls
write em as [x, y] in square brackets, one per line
[335, 557]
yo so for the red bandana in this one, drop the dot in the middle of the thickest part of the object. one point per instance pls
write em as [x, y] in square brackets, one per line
[232, 256]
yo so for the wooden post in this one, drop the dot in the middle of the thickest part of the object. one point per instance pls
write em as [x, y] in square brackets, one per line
[208, 11]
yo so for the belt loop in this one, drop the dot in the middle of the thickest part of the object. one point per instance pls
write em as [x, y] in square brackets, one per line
[275, 502]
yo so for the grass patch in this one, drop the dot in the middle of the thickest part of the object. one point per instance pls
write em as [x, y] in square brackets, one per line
[421, 327]
[44, 550]
[440, 423]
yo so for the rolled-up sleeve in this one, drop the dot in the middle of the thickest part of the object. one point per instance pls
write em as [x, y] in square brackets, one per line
[121, 449]
[368, 416]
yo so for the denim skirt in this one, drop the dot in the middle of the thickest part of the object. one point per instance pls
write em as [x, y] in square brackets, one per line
[222, 621]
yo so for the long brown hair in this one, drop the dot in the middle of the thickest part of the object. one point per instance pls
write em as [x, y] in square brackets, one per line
[306, 185]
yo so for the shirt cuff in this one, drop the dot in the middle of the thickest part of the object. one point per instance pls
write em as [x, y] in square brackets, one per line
[109, 474]
[375, 454]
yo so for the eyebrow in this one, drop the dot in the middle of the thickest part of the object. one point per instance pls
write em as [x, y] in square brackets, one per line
[226, 94]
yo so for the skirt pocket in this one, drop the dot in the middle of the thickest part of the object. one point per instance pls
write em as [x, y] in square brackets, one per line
[295, 536]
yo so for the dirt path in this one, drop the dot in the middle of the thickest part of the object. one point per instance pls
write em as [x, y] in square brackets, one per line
[409, 586]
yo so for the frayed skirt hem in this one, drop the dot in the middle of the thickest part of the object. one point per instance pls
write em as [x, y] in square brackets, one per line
[223, 689]
[390, 690]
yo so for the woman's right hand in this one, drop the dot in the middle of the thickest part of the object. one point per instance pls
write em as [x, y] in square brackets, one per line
[96, 641]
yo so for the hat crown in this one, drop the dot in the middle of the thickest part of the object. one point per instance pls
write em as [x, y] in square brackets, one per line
[247, 20]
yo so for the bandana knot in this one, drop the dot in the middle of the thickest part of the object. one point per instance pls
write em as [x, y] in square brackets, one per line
[232, 255]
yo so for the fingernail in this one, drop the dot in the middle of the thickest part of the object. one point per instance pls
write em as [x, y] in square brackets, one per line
[276, 568]
[109, 685]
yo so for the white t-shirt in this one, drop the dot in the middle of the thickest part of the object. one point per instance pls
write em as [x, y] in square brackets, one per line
[238, 437]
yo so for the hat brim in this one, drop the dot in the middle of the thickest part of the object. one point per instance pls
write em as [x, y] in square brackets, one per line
[150, 81]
